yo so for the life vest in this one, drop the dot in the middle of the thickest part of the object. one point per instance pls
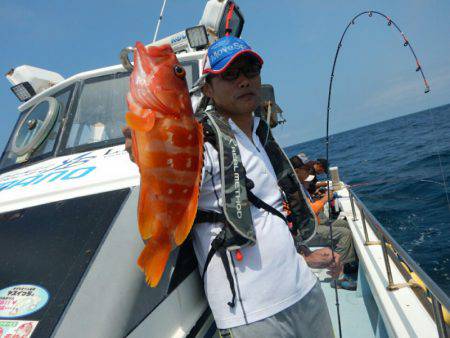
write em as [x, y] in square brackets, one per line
[238, 230]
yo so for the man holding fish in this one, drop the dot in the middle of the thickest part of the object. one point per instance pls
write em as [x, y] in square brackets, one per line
[252, 214]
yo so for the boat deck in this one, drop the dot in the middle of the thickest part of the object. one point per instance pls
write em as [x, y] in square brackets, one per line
[356, 320]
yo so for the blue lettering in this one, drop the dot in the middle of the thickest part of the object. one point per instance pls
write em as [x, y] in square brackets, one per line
[24, 182]
[5, 185]
[72, 162]
[57, 174]
[48, 178]
[70, 175]
[178, 38]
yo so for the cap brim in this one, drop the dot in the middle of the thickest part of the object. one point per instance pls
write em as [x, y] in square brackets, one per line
[230, 61]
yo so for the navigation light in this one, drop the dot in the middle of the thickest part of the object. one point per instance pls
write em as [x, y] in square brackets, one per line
[24, 91]
[197, 37]
[28, 81]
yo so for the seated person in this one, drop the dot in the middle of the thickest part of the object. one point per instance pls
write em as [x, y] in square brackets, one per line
[342, 235]
[318, 167]
[299, 160]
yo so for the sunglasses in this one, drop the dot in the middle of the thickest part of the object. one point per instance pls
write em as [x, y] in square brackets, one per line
[250, 71]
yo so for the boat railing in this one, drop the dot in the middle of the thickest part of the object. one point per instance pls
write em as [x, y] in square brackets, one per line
[390, 247]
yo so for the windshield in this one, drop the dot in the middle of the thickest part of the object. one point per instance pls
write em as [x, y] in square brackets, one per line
[94, 120]
[28, 126]
[101, 107]
[100, 110]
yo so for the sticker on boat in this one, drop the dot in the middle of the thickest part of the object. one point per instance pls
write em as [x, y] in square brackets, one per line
[21, 300]
[17, 328]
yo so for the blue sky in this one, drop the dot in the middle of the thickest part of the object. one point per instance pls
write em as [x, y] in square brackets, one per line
[375, 78]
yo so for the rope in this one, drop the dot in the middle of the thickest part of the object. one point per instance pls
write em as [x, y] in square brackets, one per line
[406, 43]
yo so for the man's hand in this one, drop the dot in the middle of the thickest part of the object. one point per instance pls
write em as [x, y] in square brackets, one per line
[126, 131]
[323, 259]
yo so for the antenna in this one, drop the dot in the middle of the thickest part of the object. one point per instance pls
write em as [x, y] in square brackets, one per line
[159, 20]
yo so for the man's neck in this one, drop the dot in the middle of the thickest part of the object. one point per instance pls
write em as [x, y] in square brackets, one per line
[243, 121]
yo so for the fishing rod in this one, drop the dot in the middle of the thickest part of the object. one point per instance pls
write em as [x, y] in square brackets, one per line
[406, 43]
[159, 20]
[393, 180]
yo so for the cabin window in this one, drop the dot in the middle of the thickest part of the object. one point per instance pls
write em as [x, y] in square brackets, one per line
[100, 111]
[101, 108]
[23, 133]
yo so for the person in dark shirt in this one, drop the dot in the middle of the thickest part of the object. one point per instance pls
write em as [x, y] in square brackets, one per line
[314, 168]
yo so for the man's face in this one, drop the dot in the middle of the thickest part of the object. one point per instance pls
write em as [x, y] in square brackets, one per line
[238, 96]
[319, 169]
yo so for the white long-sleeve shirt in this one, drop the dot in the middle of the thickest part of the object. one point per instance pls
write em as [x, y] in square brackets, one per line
[271, 276]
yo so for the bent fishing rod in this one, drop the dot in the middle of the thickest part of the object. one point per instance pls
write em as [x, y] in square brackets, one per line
[406, 43]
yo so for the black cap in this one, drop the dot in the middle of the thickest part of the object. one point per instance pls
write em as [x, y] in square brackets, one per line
[296, 162]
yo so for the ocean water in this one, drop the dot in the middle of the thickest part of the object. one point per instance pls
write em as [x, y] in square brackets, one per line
[397, 168]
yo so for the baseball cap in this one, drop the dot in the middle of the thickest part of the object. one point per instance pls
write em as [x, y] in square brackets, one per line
[298, 160]
[224, 51]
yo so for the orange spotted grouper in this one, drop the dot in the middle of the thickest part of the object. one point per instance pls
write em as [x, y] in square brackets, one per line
[167, 145]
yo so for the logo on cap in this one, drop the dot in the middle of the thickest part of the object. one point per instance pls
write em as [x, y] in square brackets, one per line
[222, 53]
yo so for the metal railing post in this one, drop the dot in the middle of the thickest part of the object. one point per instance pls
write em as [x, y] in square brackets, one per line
[366, 234]
[352, 203]
[439, 318]
[391, 285]
[363, 219]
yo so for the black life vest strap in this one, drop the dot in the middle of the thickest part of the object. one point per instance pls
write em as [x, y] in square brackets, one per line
[260, 204]
[209, 217]
[217, 245]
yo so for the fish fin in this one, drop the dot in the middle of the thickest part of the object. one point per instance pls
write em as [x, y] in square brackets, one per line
[141, 123]
[182, 231]
[148, 220]
[185, 225]
[153, 259]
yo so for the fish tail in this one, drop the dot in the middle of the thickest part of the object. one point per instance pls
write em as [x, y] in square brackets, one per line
[153, 259]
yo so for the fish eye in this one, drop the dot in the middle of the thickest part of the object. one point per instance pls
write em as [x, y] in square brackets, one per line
[179, 71]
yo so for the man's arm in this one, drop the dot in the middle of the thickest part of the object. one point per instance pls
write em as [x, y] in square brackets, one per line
[323, 259]
[126, 131]
[321, 184]
[318, 205]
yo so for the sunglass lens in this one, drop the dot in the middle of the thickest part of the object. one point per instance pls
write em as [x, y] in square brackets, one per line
[252, 70]
[231, 74]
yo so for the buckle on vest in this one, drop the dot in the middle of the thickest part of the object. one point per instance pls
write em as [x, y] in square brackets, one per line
[219, 240]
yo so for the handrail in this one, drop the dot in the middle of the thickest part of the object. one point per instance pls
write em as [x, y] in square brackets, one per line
[437, 294]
